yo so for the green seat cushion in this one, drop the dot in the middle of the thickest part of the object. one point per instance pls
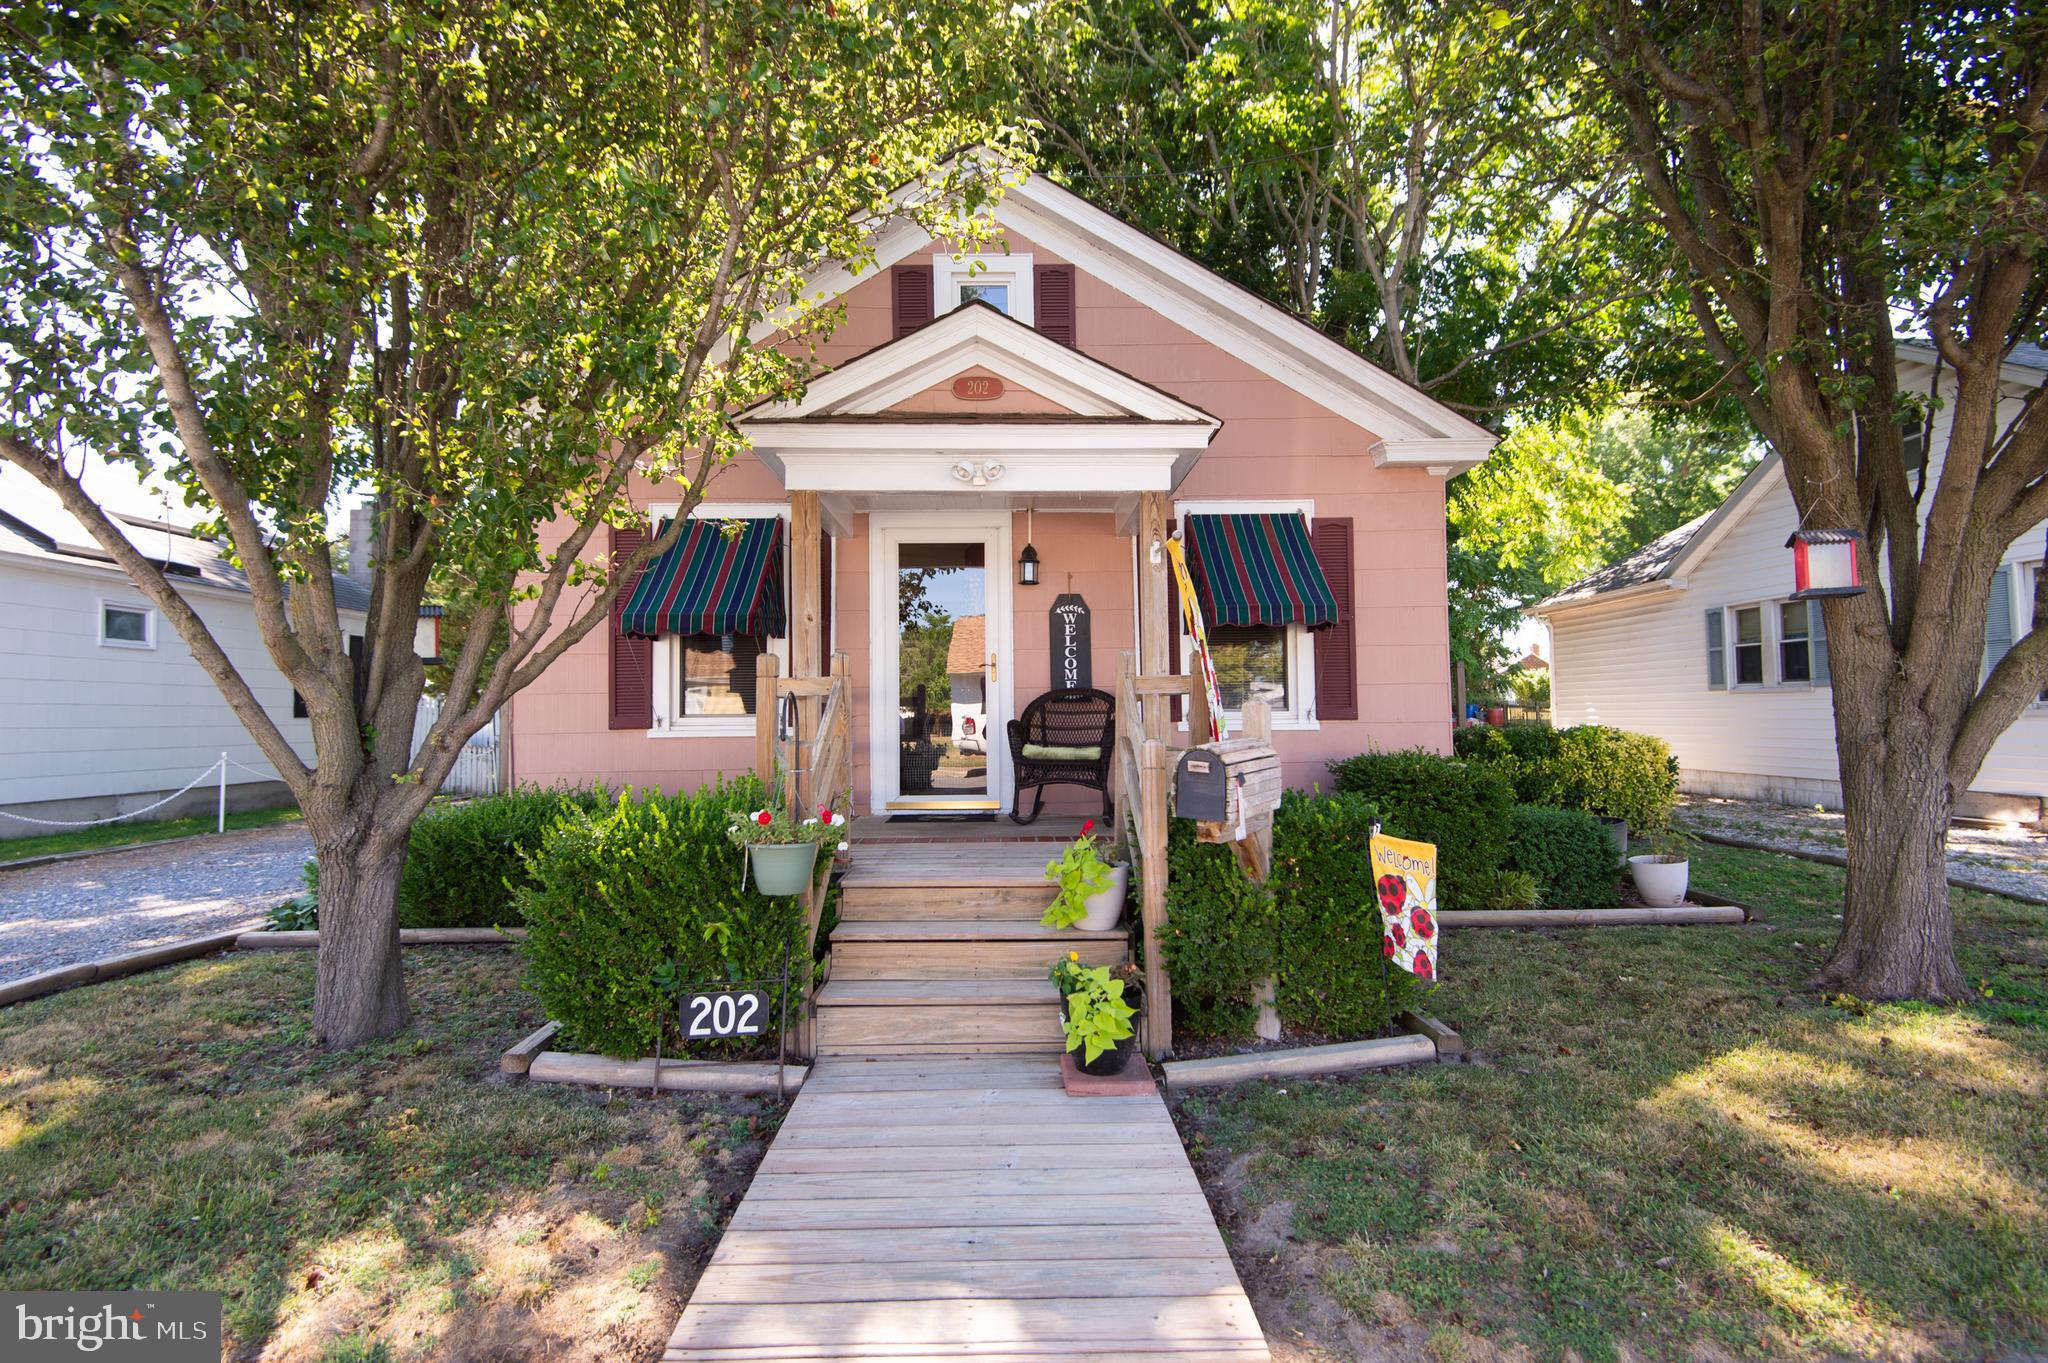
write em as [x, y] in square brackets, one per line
[1052, 752]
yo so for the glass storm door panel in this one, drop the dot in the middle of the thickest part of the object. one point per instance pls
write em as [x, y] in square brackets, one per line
[943, 682]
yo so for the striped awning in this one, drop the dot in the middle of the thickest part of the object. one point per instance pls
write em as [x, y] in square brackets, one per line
[1258, 570]
[716, 579]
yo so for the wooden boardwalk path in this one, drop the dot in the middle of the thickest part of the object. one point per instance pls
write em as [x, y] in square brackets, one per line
[926, 1209]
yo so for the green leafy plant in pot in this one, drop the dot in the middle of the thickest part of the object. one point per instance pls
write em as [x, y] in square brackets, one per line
[1096, 1008]
[1092, 889]
[782, 851]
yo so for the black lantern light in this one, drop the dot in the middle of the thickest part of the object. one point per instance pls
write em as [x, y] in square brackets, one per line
[1027, 562]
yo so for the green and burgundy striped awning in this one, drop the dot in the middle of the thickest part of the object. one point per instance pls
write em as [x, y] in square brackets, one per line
[1258, 570]
[721, 577]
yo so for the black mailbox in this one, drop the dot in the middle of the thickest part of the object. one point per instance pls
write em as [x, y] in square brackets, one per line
[1198, 790]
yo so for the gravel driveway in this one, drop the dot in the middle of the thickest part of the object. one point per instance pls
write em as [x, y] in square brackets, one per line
[81, 910]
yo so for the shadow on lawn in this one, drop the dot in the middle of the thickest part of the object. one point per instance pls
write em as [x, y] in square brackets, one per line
[180, 1130]
[1666, 1147]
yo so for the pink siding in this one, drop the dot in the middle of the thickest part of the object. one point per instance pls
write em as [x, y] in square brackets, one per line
[1273, 444]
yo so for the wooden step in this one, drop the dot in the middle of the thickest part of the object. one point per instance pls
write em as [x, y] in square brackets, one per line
[859, 1017]
[964, 949]
[866, 901]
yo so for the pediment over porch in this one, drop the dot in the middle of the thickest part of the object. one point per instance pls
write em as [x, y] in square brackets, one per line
[1064, 426]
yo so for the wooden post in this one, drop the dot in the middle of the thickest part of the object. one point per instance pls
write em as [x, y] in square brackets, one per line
[806, 587]
[1152, 620]
[1255, 853]
[1152, 842]
[765, 672]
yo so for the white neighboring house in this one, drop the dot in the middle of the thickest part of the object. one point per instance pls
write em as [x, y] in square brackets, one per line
[1691, 638]
[102, 708]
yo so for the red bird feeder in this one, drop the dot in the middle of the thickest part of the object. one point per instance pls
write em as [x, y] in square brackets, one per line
[1824, 563]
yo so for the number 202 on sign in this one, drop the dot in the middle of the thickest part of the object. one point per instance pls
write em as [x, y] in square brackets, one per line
[722, 1015]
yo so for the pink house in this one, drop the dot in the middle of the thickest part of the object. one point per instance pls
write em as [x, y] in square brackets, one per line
[1002, 432]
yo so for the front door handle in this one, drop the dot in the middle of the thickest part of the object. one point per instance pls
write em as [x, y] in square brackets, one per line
[991, 667]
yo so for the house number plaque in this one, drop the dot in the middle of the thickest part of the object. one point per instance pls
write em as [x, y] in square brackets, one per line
[742, 1013]
[977, 388]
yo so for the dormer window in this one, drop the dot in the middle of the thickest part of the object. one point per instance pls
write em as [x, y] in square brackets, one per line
[1001, 281]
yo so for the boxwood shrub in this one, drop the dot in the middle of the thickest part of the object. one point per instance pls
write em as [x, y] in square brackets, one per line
[466, 860]
[1460, 806]
[616, 895]
[1219, 940]
[1334, 978]
[1569, 853]
[1613, 773]
[1521, 751]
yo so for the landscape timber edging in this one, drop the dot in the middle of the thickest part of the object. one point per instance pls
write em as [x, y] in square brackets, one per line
[1837, 859]
[116, 967]
[519, 1059]
[1705, 908]
[1301, 1062]
[677, 1076]
[1449, 1045]
[407, 937]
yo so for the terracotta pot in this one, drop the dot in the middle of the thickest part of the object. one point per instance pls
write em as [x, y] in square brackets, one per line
[782, 867]
[1661, 883]
[1103, 910]
[1497, 715]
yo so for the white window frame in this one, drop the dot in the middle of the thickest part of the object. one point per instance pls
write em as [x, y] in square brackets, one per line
[1778, 645]
[1300, 713]
[148, 614]
[950, 272]
[1767, 635]
[2023, 619]
[669, 719]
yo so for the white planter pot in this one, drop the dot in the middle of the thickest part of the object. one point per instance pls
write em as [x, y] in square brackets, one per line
[1105, 908]
[1660, 883]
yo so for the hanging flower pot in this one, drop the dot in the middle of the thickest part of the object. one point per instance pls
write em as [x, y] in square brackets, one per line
[783, 868]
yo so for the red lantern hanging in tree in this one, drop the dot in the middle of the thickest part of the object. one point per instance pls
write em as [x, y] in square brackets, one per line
[1824, 563]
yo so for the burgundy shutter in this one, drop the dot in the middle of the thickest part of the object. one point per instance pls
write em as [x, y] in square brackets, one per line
[1337, 646]
[1053, 301]
[632, 663]
[824, 604]
[911, 287]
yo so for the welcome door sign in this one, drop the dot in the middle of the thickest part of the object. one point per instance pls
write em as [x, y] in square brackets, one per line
[1071, 643]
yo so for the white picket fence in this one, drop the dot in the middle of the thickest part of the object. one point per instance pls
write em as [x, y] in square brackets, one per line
[476, 768]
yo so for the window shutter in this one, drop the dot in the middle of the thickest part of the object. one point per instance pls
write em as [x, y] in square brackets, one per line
[1337, 646]
[1052, 288]
[911, 288]
[1717, 653]
[1998, 620]
[1817, 635]
[632, 660]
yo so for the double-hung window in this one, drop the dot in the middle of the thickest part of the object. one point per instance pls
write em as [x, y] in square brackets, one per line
[1274, 663]
[1748, 631]
[1767, 644]
[1001, 281]
[704, 683]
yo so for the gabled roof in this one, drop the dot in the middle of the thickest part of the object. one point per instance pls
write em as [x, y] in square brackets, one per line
[1413, 428]
[967, 648]
[35, 525]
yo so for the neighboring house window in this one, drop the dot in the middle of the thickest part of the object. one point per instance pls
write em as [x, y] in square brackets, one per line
[1998, 621]
[1002, 282]
[1747, 625]
[1795, 642]
[1251, 664]
[127, 626]
[717, 674]
[2033, 596]
[299, 710]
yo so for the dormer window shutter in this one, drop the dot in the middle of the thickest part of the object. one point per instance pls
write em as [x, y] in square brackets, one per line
[911, 289]
[1052, 288]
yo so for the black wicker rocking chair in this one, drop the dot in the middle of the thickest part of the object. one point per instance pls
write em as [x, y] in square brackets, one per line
[1063, 738]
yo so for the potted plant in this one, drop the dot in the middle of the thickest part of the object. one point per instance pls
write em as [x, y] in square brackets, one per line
[1096, 1008]
[1092, 890]
[781, 851]
[1660, 875]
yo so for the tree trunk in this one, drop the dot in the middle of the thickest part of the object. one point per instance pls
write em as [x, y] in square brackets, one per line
[1898, 932]
[359, 988]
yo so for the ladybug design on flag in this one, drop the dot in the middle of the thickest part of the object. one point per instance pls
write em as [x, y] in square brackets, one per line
[1425, 926]
[1387, 945]
[1423, 969]
[1398, 933]
[1393, 893]
[1405, 885]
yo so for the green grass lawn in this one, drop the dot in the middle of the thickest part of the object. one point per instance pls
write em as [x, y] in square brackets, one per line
[180, 1130]
[1667, 1149]
[128, 834]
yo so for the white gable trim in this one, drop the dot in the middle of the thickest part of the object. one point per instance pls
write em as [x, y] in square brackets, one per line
[977, 335]
[1413, 428]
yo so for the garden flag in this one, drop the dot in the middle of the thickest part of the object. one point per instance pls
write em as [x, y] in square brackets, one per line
[1404, 874]
[1191, 615]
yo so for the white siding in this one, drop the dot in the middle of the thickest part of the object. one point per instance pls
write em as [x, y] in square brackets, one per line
[79, 719]
[1641, 664]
